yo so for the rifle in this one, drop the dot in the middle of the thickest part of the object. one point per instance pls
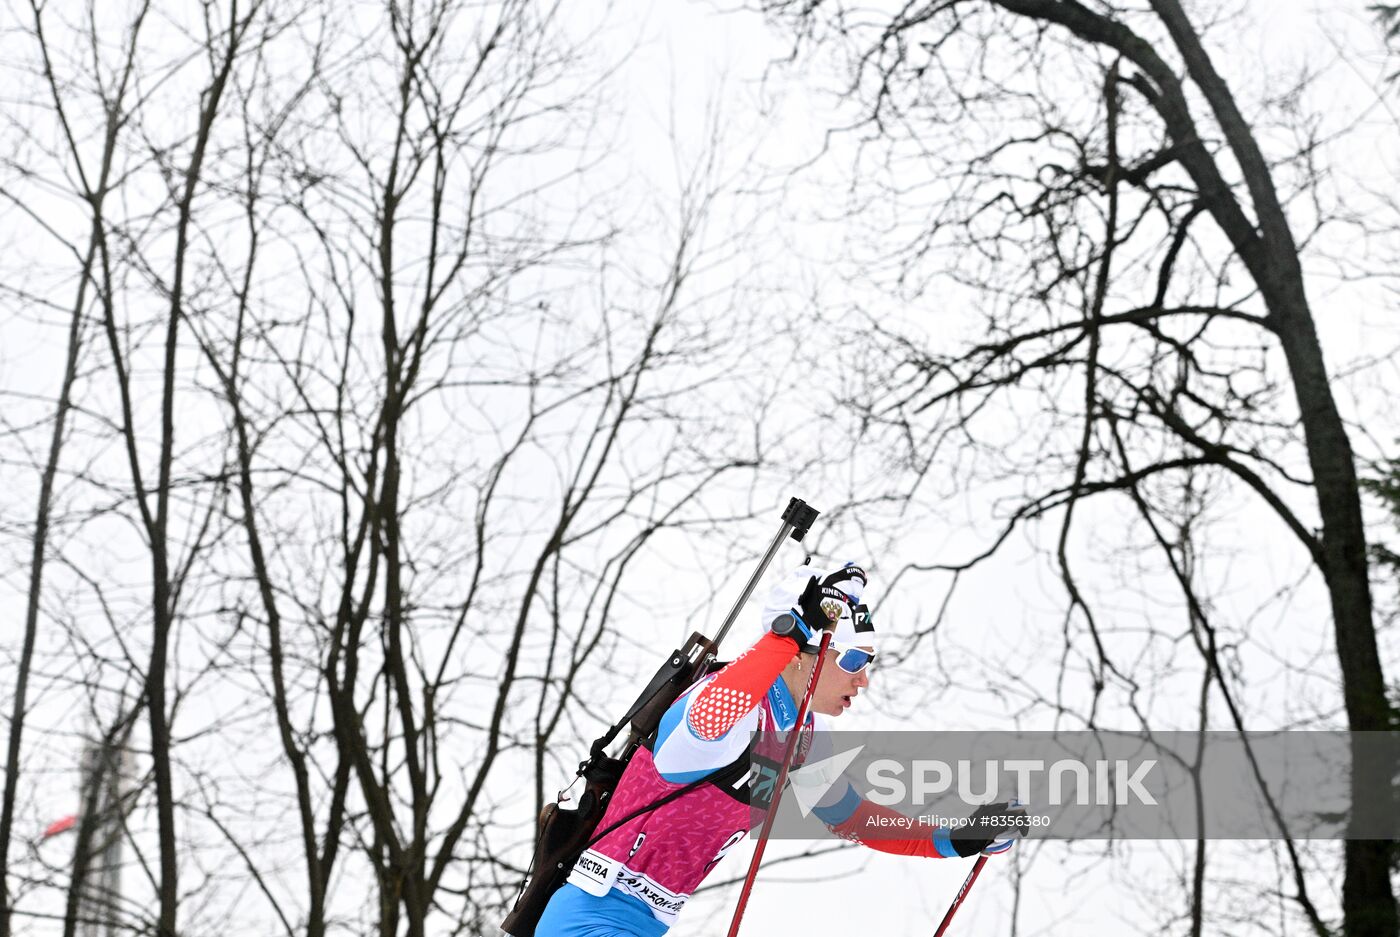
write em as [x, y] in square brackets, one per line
[563, 832]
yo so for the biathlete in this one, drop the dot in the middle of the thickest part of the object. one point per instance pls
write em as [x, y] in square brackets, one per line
[634, 881]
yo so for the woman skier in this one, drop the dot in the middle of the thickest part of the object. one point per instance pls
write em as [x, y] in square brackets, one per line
[634, 881]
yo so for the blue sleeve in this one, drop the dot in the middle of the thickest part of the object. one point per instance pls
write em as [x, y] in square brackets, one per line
[943, 842]
[671, 720]
[842, 810]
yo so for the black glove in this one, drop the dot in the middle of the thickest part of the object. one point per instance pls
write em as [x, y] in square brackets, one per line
[819, 608]
[992, 828]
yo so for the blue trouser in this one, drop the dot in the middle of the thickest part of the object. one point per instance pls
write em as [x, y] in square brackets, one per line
[573, 912]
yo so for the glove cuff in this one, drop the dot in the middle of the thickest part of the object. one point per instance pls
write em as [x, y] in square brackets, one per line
[943, 842]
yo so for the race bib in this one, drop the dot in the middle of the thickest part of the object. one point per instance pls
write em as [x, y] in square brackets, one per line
[594, 873]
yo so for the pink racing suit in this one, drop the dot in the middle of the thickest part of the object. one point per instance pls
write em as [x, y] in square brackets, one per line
[660, 857]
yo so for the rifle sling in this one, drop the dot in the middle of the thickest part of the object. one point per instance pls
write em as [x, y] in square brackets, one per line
[726, 775]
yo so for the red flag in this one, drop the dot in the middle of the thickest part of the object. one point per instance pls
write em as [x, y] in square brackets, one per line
[59, 826]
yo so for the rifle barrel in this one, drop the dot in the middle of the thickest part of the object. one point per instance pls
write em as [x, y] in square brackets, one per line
[797, 520]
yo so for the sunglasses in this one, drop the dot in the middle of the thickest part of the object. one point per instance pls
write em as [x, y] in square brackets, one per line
[852, 659]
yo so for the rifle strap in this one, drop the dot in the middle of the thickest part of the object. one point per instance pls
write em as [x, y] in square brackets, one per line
[729, 774]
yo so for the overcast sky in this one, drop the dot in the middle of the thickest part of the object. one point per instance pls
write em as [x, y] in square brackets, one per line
[1067, 889]
[688, 74]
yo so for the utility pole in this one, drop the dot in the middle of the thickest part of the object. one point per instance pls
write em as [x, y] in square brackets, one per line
[97, 874]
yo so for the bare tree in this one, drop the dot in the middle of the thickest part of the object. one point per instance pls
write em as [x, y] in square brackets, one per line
[184, 166]
[93, 176]
[371, 489]
[1138, 265]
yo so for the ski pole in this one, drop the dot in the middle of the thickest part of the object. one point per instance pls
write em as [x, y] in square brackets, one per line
[778, 788]
[962, 893]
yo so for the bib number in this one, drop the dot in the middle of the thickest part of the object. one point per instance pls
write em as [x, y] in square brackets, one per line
[728, 845]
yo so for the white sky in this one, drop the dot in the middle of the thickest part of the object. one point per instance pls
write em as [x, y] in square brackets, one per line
[859, 891]
[694, 61]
